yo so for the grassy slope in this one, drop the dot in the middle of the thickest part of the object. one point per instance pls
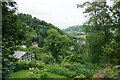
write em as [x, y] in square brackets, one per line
[24, 74]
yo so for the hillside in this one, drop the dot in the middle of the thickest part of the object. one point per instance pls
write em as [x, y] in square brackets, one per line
[75, 31]
[35, 29]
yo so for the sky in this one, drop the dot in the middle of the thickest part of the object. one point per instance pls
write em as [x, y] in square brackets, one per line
[60, 13]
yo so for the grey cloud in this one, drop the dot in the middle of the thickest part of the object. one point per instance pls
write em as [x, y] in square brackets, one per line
[61, 13]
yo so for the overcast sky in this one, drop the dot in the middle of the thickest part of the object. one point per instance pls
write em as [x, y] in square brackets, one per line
[61, 13]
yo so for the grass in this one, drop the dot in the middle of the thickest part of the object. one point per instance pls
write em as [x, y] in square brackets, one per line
[20, 74]
[24, 74]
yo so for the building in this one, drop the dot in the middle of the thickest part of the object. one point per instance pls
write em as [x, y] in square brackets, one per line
[24, 56]
[34, 44]
[83, 42]
[71, 48]
[23, 46]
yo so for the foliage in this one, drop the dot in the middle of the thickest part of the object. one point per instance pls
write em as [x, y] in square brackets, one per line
[111, 52]
[56, 42]
[36, 50]
[28, 75]
[86, 69]
[21, 74]
[11, 36]
[47, 59]
[34, 72]
[79, 48]
[74, 30]
[94, 41]
[44, 75]
[109, 72]
[35, 29]
[81, 76]
[59, 70]
[74, 58]
[35, 63]
[97, 28]
[28, 42]
[22, 65]
[21, 48]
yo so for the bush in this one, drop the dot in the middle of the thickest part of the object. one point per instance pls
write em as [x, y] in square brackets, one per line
[78, 68]
[65, 65]
[35, 63]
[74, 58]
[44, 75]
[21, 48]
[22, 65]
[111, 52]
[59, 70]
[47, 59]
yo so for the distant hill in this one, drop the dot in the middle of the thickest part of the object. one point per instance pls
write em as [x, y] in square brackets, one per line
[75, 31]
[35, 29]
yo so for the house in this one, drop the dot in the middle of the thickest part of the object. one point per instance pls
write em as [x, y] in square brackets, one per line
[83, 42]
[23, 46]
[71, 48]
[24, 56]
[34, 44]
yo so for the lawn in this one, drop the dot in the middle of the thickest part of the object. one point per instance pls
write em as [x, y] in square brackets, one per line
[24, 74]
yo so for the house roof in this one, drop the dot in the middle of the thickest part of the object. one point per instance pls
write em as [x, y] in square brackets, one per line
[19, 54]
[34, 43]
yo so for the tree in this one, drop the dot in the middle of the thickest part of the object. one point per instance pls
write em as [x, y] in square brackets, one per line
[36, 50]
[11, 36]
[28, 42]
[97, 28]
[55, 43]
[111, 52]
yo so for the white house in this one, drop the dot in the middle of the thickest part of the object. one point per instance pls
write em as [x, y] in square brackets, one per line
[24, 56]
[71, 48]
[24, 46]
[34, 44]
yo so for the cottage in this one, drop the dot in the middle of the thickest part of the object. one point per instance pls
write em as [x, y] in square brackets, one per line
[23, 46]
[71, 48]
[83, 42]
[34, 44]
[24, 56]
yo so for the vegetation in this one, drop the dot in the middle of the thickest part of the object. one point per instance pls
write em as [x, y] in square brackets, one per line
[25, 74]
[76, 32]
[59, 55]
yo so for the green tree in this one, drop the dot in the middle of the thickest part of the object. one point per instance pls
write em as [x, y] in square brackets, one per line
[28, 42]
[36, 50]
[55, 43]
[111, 52]
[12, 35]
[97, 28]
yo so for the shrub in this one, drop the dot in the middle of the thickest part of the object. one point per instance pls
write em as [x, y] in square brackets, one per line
[110, 73]
[111, 52]
[44, 75]
[35, 63]
[22, 65]
[74, 58]
[84, 69]
[59, 70]
[47, 59]
[21, 48]
[65, 65]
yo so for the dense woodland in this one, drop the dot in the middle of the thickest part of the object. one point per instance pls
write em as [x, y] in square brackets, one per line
[99, 57]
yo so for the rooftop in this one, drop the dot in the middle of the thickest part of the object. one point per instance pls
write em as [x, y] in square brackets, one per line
[19, 54]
